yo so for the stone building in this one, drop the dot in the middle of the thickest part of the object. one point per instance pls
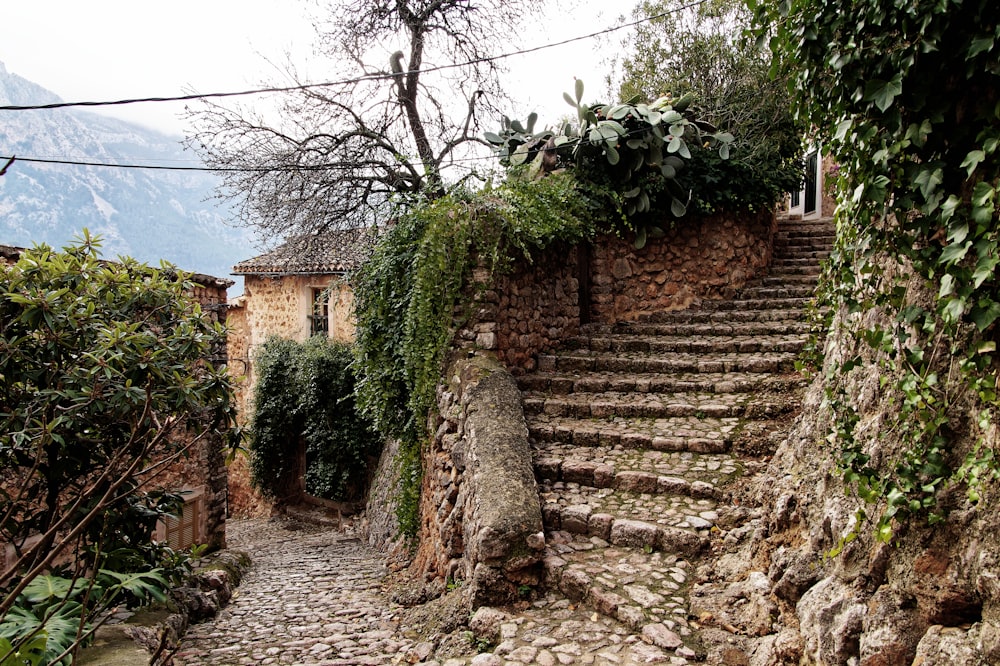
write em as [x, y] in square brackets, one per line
[295, 291]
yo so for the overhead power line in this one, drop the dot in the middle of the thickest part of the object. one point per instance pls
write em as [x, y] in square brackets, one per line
[359, 79]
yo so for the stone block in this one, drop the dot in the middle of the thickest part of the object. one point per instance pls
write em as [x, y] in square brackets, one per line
[634, 533]
[575, 518]
[658, 634]
[578, 471]
[600, 525]
[635, 482]
[575, 584]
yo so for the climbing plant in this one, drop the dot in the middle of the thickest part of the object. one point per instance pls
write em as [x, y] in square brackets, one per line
[305, 396]
[907, 97]
[412, 292]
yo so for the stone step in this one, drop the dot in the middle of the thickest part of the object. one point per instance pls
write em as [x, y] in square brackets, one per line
[647, 592]
[744, 303]
[786, 280]
[811, 270]
[688, 474]
[654, 405]
[585, 361]
[770, 292]
[780, 263]
[707, 382]
[824, 232]
[596, 512]
[779, 327]
[702, 316]
[815, 255]
[799, 243]
[703, 344]
[696, 434]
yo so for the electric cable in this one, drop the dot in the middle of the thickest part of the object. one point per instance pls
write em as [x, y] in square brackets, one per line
[359, 79]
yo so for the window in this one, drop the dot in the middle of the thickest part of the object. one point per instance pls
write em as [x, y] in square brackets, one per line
[186, 529]
[319, 319]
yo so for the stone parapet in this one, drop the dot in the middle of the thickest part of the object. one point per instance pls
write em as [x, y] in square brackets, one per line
[480, 517]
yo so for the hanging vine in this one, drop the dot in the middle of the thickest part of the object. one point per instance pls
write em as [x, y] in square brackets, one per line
[908, 101]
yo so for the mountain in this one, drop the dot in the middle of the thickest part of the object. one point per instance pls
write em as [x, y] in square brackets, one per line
[147, 214]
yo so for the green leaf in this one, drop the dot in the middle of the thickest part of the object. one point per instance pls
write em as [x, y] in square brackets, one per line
[972, 160]
[569, 100]
[980, 45]
[640, 238]
[984, 314]
[724, 151]
[493, 138]
[578, 87]
[954, 252]
[883, 92]
[677, 207]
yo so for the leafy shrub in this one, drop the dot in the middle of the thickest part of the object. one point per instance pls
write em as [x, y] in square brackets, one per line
[305, 395]
[105, 371]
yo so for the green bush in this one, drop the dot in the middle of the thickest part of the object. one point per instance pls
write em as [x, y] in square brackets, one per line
[305, 397]
[105, 371]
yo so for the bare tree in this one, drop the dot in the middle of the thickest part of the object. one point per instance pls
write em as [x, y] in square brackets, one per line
[416, 79]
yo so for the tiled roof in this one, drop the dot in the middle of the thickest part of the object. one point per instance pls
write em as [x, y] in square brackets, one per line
[11, 253]
[337, 251]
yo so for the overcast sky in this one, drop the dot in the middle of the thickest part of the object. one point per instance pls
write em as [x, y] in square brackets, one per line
[92, 50]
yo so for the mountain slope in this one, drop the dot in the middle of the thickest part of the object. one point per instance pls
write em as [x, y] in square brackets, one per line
[147, 214]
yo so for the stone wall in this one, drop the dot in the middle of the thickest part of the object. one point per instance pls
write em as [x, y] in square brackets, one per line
[480, 517]
[699, 258]
[529, 310]
[544, 301]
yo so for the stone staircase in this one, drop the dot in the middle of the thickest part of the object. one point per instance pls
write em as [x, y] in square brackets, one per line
[638, 428]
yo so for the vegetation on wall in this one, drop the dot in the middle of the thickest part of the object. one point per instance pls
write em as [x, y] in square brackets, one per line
[627, 157]
[107, 373]
[304, 396]
[409, 295]
[908, 101]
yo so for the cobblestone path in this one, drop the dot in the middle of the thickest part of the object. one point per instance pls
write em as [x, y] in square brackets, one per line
[638, 431]
[314, 596]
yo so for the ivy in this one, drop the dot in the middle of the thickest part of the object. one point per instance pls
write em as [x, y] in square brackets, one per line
[908, 102]
[305, 394]
[415, 290]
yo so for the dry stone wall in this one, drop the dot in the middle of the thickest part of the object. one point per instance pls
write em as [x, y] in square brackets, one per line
[480, 517]
[698, 258]
[544, 301]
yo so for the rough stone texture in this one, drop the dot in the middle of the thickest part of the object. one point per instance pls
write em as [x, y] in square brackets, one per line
[542, 303]
[480, 516]
[698, 258]
[911, 602]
